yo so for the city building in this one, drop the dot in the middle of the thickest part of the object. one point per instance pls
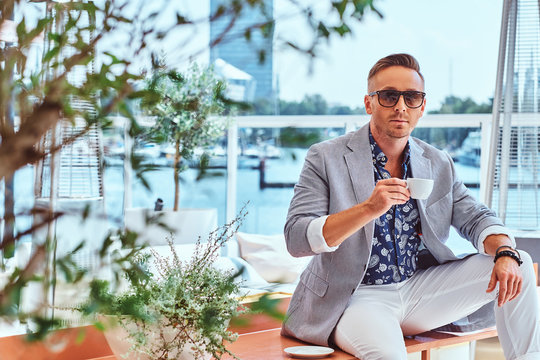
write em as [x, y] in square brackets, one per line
[245, 54]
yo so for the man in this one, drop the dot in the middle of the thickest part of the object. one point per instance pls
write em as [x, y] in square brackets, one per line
[351, 208]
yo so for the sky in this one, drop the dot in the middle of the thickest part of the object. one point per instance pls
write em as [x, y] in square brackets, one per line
[456, 43]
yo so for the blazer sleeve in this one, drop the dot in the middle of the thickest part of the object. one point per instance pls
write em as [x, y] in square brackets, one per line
[470, 217]
[310, 201]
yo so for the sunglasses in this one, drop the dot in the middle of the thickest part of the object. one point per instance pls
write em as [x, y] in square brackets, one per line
[389, 98]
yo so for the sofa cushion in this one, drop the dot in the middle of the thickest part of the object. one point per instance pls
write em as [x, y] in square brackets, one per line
[269, 256]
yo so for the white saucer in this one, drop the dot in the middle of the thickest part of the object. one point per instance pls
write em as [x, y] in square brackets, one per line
[308, 352]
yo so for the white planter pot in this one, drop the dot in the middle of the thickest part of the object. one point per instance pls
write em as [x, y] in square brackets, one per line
[120, 343]
[187, 225]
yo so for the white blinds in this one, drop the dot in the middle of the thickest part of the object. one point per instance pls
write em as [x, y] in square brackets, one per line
[514, 157]
[78, 165]
[75, 171]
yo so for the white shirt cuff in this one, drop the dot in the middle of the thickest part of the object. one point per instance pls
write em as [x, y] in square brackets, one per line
[492, 230]
[315, 236]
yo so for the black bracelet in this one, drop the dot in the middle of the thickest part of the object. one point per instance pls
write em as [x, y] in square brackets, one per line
[508, 247]
[508, 253]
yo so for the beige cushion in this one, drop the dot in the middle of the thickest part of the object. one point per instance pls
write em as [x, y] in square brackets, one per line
[269, 256]
[248, 277]
[187, 225]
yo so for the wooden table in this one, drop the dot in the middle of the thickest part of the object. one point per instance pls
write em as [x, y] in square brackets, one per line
[269, 345]
[82, 343]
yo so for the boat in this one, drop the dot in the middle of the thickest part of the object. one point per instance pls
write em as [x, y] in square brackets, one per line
[469, 153]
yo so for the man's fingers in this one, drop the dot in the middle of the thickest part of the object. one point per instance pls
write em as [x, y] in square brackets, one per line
[394, 193]
[398, 192]
[492, 283]
[520, 287]
[518, 284]
[508, 275]
[393, 181]
[398, 196]
[502, 293]
[509, 290]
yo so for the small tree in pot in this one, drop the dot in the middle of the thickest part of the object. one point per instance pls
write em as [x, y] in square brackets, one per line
[186, 108]
[179, 310]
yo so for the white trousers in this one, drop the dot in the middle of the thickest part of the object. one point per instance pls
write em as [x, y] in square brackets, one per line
[377, 317]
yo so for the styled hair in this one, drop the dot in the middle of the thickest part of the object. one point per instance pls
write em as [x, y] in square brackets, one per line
[405, 60]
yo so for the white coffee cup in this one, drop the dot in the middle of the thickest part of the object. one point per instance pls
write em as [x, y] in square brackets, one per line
[419, 188]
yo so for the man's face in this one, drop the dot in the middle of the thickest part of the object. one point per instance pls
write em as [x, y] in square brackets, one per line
[398, 121]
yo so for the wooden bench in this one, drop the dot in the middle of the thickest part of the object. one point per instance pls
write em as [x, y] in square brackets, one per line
[269, 344]
[262, 340]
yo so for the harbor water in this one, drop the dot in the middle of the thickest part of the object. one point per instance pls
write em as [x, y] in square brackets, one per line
[267, 208]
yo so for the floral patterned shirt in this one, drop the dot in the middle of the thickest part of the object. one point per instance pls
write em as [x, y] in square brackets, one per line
[395, 242]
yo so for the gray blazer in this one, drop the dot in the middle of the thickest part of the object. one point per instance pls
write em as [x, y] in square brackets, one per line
[338, 174]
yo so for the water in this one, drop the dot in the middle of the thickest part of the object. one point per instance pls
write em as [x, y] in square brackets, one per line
[267, 208]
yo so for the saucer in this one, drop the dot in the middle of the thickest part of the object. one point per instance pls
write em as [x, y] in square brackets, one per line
[308, 352]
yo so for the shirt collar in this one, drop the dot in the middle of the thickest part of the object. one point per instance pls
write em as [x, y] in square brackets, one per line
[380, 159]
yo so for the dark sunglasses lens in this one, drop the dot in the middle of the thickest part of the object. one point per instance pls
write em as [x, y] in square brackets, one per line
[413, 98]
[388, 97]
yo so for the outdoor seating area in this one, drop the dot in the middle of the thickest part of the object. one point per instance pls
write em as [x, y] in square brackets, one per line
[259, 338]
[192, 179]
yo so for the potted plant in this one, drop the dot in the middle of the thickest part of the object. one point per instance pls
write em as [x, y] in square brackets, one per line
[186, 109]
[40, 98]
[181, 311]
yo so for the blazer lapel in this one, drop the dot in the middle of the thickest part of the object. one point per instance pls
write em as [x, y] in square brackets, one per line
[421, 168]
[360, 164]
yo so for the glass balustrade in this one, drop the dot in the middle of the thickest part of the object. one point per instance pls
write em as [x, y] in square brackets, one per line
[268, 158]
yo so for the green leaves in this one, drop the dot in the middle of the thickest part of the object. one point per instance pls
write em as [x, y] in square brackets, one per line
[323, 30]
[262, 56]
[359, 8]
[188, 298]
[182, 20]
[340, 6]
[185, 107]
[68, 267]
[342, 29]
[339, 21]
[49, 55]
[269, 306]
[21, 29]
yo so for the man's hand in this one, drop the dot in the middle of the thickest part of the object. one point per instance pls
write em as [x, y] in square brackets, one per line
[507, 272]
[388, 192]
[341, 225]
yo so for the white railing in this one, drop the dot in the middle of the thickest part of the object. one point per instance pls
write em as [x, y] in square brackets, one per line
[349, 123]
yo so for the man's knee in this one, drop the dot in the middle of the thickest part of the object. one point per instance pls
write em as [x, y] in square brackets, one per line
[369, 346]
[527, 268]
[386, 352]
[526, 258]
